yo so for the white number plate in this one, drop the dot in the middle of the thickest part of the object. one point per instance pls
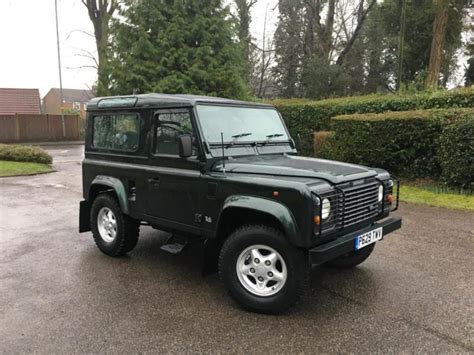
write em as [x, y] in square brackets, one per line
[368, 238]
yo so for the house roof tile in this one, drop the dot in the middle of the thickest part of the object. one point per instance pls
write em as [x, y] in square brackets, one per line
[75, 95]
[14, 101]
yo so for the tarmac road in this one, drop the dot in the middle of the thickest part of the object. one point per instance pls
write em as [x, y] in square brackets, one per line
[58, 293]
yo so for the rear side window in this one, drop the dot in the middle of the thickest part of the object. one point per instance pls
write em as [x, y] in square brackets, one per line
[118, 132]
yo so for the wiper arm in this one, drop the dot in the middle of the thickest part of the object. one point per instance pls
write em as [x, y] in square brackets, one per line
[237, 136]
[270, 136]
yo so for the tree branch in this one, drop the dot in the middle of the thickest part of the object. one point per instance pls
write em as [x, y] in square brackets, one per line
[355, 34]
[83, 67]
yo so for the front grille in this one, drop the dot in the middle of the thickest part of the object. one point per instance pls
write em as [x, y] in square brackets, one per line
[351, 205]
[358, 204]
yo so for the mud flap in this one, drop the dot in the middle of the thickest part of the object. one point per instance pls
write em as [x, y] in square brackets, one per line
[84, 217]
[210, 256]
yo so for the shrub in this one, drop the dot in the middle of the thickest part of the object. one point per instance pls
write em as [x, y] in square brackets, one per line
[405, 143]
[305, 117]
[319, 140]
[24, 153]
[456, 153]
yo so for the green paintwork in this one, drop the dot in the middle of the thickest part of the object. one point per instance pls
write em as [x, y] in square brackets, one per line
[273, 208]
[117, 186]
[188, 195]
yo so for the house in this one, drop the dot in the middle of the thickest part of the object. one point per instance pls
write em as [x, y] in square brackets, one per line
[73, 100]
[21, 101]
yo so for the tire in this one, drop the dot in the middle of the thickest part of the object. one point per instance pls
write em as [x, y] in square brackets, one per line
[122, 233]
[351, 259]
[277, 293]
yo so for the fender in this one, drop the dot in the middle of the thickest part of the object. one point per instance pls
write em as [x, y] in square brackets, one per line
[117, 186]
[273, 208]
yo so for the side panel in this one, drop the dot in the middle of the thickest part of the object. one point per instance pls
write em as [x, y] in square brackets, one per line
[124, 171]
[291, 205]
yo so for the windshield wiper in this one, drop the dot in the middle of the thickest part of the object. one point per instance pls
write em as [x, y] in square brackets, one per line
[236, 137]
[270, 137]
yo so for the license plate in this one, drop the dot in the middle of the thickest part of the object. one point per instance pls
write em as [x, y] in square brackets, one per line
[368, 238]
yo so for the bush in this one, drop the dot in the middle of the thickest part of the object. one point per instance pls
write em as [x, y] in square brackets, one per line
[305, 117]
[319, 140]
[456, 153]
[15, 152]
[405, 143]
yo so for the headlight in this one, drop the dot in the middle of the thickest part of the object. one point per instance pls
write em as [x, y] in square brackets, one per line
[325, 209]
[380, 193]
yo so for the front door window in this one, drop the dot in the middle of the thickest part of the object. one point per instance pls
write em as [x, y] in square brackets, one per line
[169, 127]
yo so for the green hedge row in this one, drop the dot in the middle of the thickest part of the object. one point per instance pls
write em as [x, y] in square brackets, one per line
[456, 154]
[16, 152]
[429, 143]
[305, 117]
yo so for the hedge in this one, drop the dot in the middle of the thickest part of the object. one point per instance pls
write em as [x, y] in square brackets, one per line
[305, 117]
[25, 153]
[456, 154]
[405, 143]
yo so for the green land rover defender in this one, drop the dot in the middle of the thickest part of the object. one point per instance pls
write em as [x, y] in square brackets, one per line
[227, 175]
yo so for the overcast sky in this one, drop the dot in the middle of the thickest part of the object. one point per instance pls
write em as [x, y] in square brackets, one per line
[28, 56]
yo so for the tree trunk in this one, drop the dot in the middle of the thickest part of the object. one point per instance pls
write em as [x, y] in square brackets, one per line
[439, 33]
[243, 11]
[100, 13]
[103, 61]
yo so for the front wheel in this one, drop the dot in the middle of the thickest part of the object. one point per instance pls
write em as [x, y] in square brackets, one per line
[261, 270]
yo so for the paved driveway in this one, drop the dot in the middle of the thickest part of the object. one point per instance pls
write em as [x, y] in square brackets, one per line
[58, 293]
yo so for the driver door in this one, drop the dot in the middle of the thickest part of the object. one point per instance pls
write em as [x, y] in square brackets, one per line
[172, 181]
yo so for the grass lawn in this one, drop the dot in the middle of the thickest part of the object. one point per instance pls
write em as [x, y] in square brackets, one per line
[430, 194]
[9, 168]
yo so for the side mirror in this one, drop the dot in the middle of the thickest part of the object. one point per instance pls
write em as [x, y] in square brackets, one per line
[298, 142]
[185, 143]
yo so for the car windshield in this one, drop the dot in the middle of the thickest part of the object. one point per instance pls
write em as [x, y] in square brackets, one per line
[240, 124]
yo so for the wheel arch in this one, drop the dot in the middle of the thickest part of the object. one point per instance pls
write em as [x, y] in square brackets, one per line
[256, 210]
[241, 210]
[102, 183]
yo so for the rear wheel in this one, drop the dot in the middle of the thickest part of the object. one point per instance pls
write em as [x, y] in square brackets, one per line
[114, 233]
[351, 259]
[261, 270]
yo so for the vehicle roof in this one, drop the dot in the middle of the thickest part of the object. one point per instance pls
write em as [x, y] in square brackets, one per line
[166, 100]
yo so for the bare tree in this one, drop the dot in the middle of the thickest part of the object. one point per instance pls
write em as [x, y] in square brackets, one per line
[100, 13]
[265, 60]
[322, 37]
[361, 17]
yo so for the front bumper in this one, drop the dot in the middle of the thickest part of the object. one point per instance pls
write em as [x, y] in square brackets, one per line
[345, 244]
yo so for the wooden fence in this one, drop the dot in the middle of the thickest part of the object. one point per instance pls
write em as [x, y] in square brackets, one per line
[39, 128]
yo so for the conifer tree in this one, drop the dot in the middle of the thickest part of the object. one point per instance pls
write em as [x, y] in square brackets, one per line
[177, 46]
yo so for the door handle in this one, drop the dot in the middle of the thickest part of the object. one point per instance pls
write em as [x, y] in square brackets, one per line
[154, 181]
